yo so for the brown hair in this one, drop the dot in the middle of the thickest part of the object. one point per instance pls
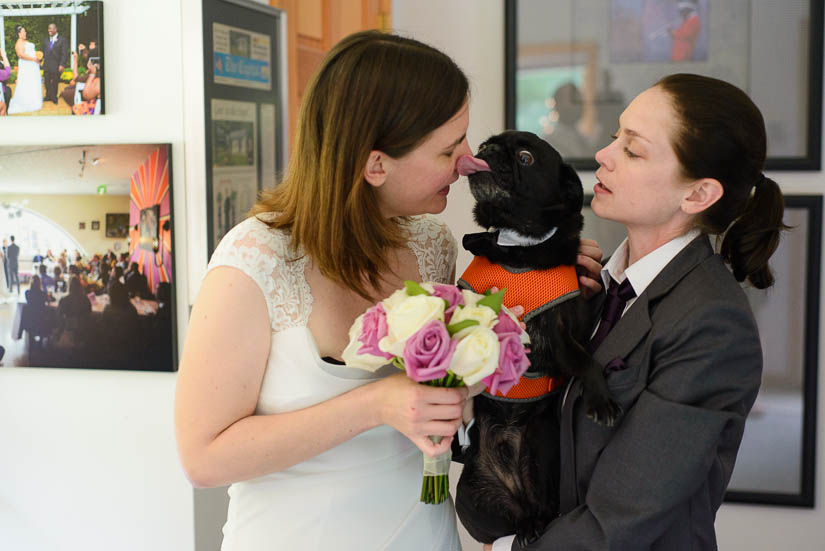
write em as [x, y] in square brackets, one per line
[721, 135]
[373, 91]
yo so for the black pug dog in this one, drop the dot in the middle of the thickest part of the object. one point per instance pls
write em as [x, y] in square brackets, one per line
[509, 484]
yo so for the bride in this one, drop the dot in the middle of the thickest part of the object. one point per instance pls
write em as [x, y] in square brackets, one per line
[28, 93]
[5, 294]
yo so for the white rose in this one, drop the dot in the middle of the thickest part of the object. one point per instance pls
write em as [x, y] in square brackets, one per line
[470, 298]
[407, 317]
[428, 286]
[485, 317]
[351, 356]
[394, 300]
[476, 355]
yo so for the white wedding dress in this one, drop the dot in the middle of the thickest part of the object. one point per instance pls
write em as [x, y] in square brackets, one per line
[28, 89]
[5, 294]
[364, 494]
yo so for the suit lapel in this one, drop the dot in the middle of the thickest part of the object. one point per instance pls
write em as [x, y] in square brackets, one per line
[635, 323]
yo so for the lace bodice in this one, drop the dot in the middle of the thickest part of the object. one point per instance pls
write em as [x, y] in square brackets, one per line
[266, 256]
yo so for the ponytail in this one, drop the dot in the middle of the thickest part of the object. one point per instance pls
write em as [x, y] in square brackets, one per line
[754, 235]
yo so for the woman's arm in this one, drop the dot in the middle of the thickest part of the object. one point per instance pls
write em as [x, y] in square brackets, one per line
[220, 438]
[92, 88]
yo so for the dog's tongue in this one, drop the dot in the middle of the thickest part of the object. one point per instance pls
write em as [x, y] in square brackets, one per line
[467, 164]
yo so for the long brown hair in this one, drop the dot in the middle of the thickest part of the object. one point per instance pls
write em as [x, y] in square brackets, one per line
[372, 91]
[721, 135]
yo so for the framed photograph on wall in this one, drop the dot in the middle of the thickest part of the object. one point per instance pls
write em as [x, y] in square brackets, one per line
[54, 51]
[245, 101]
[111, 300]
[117, 224]
[776, 463]
[572, 67]
[149, 218]
[95, 225]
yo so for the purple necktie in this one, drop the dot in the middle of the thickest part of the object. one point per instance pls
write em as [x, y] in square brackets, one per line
[617, 297]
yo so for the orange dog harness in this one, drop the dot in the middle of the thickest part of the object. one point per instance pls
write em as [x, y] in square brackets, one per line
[536, 291]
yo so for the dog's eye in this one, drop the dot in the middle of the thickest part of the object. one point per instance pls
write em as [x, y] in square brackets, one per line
[525, 158]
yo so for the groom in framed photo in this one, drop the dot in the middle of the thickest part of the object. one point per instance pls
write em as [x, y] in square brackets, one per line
[55, 52]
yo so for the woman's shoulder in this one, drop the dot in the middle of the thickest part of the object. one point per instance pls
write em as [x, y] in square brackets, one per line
[254, 233]
[434, 246]
[258, 250]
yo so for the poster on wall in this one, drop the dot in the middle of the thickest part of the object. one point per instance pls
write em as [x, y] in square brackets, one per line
[245, 101]
[241, 57]
[234, 163]
[51, 58]
[80, 298]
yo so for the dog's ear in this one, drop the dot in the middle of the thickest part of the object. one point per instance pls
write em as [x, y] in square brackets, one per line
[573, 192]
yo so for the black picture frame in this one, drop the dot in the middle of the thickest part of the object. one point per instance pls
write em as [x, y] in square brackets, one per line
[86, 18]
[804, 214]
[138, 333]
[248, 113]
[602, 100]
[117, 225]
[788, 318]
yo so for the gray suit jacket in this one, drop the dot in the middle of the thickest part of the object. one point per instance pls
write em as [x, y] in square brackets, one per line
[692, 364]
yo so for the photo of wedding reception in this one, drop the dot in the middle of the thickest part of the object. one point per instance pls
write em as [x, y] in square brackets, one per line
[51, 58]
[74, 293]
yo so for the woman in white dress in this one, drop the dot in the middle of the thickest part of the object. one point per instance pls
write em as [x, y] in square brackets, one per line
[320, 456]
[28, 89]
[5, 292]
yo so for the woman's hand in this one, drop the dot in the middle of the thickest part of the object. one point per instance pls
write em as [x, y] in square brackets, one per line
[487, 547]
[589, 268]
[420, 411]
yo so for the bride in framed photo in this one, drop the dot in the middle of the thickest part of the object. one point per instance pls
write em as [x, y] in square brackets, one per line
[28, 92]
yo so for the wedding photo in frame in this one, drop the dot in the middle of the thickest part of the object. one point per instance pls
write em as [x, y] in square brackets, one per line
[776, 459]
[245, 104]
[572, 67]
[51, 58]
[85, 294]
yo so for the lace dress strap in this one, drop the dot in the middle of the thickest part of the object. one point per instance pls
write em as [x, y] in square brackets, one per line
[265, 255]
[435, 248]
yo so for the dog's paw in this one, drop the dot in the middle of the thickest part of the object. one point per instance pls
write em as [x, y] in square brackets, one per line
[606, 412]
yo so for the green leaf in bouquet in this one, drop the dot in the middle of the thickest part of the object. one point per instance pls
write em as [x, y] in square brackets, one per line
[493, 301]
[414, 288]
[398, 362]
[454, 328]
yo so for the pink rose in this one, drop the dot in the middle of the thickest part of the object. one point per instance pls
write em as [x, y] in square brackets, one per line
[374, 328]
[452, 295]
[428, 352]
[512, 363]
[506, 324]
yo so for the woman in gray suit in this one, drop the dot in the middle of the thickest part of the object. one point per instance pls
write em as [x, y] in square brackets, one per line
[682, 354]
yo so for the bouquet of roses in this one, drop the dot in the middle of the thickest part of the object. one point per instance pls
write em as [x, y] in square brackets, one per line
[443, 336]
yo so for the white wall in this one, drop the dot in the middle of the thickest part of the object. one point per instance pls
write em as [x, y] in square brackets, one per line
[87, 458]
[472, 32]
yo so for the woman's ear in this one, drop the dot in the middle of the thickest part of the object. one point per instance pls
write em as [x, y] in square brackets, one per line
[703, 194]
[378, 164]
